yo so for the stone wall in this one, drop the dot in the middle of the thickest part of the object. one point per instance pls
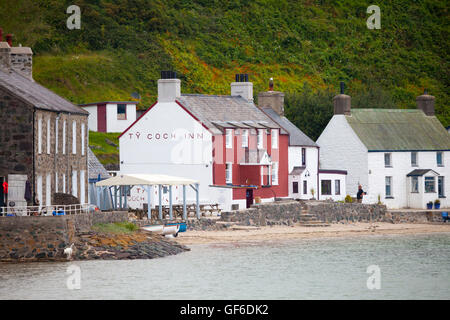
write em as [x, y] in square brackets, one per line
[328, 211]
[274, 213]
[45, 238]
[61, 161]
[16, 136]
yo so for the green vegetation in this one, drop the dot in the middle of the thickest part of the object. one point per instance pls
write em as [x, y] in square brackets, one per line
[348, 199]
[106, 147]
[116, 228]
[306, 46]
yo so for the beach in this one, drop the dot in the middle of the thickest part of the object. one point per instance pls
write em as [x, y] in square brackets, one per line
[273, 233]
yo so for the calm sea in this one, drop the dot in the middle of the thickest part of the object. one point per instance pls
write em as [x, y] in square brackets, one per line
[410, 267]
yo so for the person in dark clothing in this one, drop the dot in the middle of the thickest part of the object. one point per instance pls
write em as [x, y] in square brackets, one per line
[360, 194]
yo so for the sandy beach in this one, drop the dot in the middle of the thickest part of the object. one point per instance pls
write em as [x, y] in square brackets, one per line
[250, 234]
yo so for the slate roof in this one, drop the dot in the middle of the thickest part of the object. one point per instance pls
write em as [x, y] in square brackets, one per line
[35, 94]
[95, 167]
[420, 172]
[296, 171]
[296, 136]
[218, 112]
[398, 130]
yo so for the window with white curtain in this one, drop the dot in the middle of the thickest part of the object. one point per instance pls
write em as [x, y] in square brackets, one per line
[64, 137]
[40, 135]
[275, 173]
[229, 138]
[48, 136]
[260, 138]
[244, 138]
[229, 173]
[56, 135]
[82, 139]
[274, 139]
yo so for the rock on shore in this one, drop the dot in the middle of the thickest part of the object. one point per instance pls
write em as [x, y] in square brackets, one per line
[140, 245]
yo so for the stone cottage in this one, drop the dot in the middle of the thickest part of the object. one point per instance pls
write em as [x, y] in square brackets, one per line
[43, 136]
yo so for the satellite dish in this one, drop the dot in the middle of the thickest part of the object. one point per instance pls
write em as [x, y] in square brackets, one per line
[136, 95]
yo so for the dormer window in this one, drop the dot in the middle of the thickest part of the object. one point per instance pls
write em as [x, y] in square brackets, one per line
[121, 112]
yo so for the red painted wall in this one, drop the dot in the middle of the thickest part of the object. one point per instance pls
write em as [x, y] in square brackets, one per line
[222, 155]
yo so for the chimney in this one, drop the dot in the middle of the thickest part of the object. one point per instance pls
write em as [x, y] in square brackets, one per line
[342, 102]
[272, 99]
[425, 103]
[242, 87]
[169, 87]
[5, 54]
[9, 39]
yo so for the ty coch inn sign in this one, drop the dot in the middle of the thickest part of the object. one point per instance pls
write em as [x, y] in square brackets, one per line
[165, 136]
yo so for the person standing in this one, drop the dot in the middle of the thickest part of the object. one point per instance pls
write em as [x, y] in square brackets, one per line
[360, 194]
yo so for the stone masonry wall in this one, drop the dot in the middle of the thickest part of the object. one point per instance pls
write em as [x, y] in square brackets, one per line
[288, 213]
[328, 211]
[45, 238]
[61, 162]
[16, 136]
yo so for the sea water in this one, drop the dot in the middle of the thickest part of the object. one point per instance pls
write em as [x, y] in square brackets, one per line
[406, 267]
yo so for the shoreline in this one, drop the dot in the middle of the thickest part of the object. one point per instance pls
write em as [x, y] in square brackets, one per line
[274, 233]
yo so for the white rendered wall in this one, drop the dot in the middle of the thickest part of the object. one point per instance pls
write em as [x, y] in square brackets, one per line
[333, 177]
[401, 166]
[167, 140]
[295, 160]
[115, 125]
[92, 119]
[341, 149]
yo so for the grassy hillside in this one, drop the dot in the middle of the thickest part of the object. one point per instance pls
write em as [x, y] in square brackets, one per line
[303, 45]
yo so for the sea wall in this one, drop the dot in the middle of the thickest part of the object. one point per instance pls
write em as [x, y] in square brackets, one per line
[45, 238]
[289, 212]
[328, 211]
[273, 213]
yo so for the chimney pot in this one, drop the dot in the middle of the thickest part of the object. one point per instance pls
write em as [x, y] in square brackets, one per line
[242, 87]
[342, 87]
[169, 87]
[425, 103]
[342, 103]
[9, 39]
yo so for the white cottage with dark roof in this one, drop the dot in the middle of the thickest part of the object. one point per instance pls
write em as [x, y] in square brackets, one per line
[401, 157]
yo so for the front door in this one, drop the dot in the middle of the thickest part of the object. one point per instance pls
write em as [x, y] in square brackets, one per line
[249, 197]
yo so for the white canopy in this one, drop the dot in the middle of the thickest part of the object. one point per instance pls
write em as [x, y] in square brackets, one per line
[144, 179]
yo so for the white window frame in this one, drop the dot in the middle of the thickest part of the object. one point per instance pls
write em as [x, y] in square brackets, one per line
[82, 187]
[391, 185]
[414, 184]
[56, 135]
[245, 138]
[64, 137]
[416, 164]
[229, 138]
[337, 187]
[74, 137]
[387, 165]
[56, 182]
[229, 173]
[75, 183]
[275, 168]
[260, 138]
[64, 183]
[48, 136]
[48, 190]
[442, 159]
[82, 139]
[39, 190]
[274, 138]
[40, 135]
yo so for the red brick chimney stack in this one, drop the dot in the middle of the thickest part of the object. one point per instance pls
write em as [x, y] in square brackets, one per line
[9, 39]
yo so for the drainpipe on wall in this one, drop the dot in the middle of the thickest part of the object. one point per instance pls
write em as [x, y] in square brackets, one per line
[318, 169]
[33, 174]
